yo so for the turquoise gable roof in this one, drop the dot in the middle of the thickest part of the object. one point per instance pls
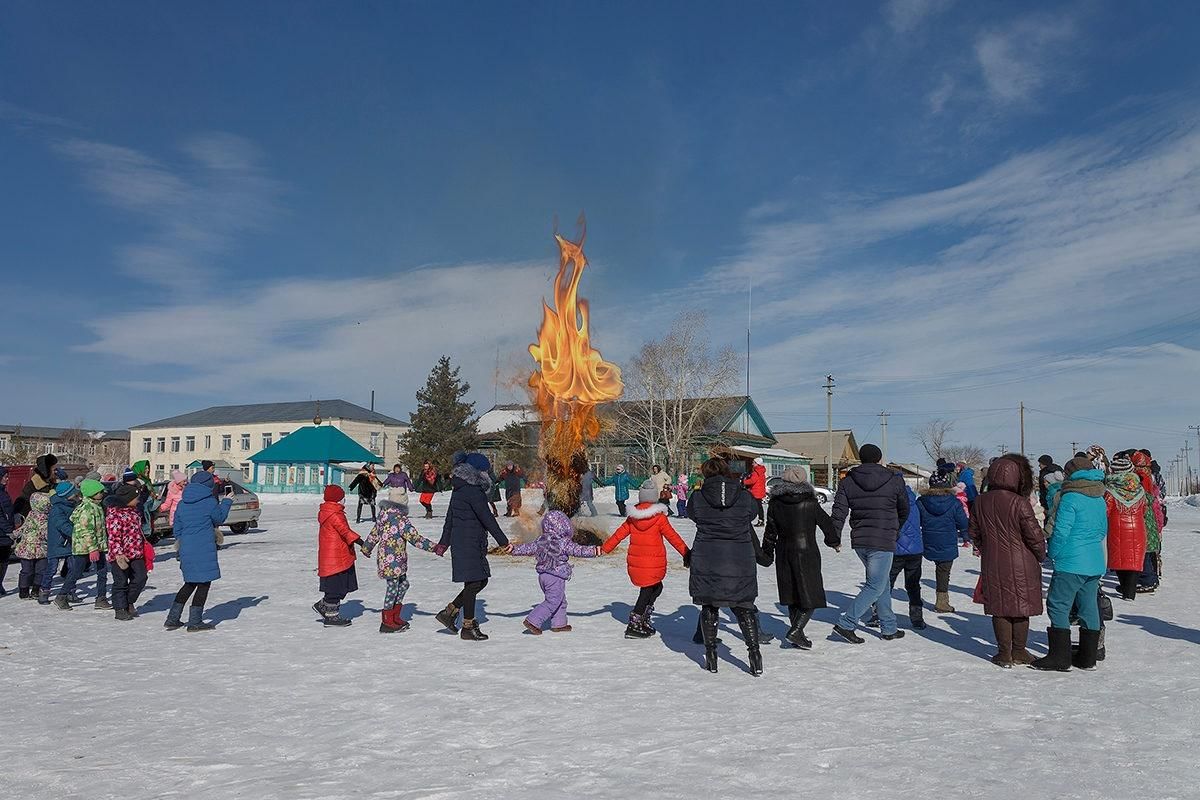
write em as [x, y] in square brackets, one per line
[316, 445]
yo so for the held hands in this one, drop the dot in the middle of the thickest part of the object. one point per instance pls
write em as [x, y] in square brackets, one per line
[439, 549]
[94, 556]
[687, 559]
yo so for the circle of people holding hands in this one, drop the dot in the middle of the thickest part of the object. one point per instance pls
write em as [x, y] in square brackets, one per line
[1100, 515]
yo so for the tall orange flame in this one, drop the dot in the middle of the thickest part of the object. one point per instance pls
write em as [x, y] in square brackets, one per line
[572, 377]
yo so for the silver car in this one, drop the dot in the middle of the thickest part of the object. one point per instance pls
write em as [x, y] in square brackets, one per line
[242, 516]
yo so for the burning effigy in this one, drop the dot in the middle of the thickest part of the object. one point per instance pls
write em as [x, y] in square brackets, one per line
[570, 381]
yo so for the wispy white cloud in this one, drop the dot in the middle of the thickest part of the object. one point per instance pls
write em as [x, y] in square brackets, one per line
[1020, 60]
[195, 206]
[904, 16]
[22, 117]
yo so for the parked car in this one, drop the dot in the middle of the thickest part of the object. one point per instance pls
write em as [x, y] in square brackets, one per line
[824, 496]
[242, 516]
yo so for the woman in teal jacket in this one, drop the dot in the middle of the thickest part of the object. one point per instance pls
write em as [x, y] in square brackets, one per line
[621, 484]
[1080, 525]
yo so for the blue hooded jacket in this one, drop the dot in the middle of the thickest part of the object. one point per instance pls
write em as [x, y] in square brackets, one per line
[59, 528]
[942, 520]
[967, 476]
[909, 542]
[196, 517]
[1080, 528]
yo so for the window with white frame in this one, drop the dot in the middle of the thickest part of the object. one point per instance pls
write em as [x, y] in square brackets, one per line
[245, 441]
[174, 467]
[145, 445]
[160, 472]
[246, 469]
[208, 443]
[174, 444]
[374, 441]
[3, 443]
[49, 448]
[778, 469]
[226, 442]
[160, 444]
[190, 444]
[266, 440]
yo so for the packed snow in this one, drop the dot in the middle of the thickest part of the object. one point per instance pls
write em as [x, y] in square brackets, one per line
[274, 705]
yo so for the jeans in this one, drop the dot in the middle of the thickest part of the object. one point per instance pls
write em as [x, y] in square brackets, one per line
[875, 592]
[128, 583]
[79, 565]
[681, 507]
[554, 605]
[1068, 589]
[52, 565]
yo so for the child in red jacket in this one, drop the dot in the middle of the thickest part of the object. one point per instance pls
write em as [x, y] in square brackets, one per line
[126, 550]
[756, 482]
[335, 557]
[647, 558]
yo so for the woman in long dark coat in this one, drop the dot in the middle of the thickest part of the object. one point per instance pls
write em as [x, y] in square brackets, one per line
[468, 523]
[723, 559]
[1012, 548]
[793, 516]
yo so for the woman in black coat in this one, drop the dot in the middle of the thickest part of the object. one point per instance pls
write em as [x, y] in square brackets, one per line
[723, 558]
[468, 523]
[793, 516]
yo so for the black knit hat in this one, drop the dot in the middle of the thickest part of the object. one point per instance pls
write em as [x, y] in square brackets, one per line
[870, 454]
[940, 480]
[125, 494]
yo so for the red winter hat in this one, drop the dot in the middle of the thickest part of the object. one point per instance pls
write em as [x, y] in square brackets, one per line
[334, 494]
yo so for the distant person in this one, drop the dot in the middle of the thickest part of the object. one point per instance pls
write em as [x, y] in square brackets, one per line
[126, 551]
[41, 479]
[943, 522]
[661, 479]
[398, 485]
[513, 477]
[587, 491]
[681, 495]
[335, 557]
[876, 503]
[58, 534]
[31, 546]
[622, 483]
[427, 485]
[196, 518]
[1046, 467]
[367, 485]
[89, 544]
[756, 483]
[7, 522]
[1127, 506]
[173, 495]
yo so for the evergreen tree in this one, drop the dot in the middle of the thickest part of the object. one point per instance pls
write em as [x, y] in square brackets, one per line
[443, 422]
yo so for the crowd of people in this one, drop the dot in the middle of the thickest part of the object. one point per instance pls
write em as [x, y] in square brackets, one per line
[1099, 515]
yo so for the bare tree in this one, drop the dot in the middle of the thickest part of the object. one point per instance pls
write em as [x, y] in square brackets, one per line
[972, 455]
[932, 437]
[74, 443]
[673, 386]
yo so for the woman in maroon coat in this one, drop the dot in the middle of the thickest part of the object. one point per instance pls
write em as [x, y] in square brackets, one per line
[1012, 549]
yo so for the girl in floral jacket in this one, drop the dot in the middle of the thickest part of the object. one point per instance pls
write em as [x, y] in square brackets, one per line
[89, 543]
[31, 546]
[126, 550]
[392, 533]
[554, 549]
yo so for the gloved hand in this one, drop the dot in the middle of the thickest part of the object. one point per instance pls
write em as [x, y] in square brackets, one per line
[439, 549]
[122, 562]
[94, 556]
[687, 559]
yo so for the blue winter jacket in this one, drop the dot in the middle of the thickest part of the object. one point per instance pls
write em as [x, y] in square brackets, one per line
[1080, 528]
[622, 483]
[942, 520]
[196, 517]
[967, 476]
[909, 542]
[59, 528]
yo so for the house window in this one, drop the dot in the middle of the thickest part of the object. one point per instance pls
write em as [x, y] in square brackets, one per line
[374, 441]
[174, 467]
[283, 434]
[266, 440]
[174, 444]
[3, 443]
[49, 448]
[160, 472]
[246, 468]
[145, 445]
[245, 441]
[160, 445]
[226, 442]
[208, 443]
[190, 444]
[268, 475]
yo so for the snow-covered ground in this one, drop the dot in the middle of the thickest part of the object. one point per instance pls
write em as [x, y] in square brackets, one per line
[273, 705]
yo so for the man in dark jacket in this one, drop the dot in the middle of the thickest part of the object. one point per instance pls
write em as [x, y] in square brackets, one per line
[367, 485]
[513, 477]
[1046, 466]
[876, 502]
[7, 523]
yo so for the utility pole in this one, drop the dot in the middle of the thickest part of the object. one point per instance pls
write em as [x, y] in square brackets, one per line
[1187, 467]
[1022, 427]
[829, 429]
[1196, 428]
[883, 415]
[1074, 448]
[1003, 448]
[749, 317]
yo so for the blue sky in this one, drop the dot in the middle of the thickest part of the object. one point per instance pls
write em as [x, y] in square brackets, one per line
[952, 206]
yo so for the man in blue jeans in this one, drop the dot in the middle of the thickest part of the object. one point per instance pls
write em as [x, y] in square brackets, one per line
[875, 500]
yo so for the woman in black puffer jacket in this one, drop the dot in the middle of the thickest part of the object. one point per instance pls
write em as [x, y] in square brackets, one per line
[723, 558]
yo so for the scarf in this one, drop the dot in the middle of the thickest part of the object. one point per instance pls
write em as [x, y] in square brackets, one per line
[1125, 489]
[1084, 487]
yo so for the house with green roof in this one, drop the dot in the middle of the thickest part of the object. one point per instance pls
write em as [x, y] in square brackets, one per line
[308, 460]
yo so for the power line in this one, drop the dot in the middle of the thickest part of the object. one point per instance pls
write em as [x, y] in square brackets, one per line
[1105, 423]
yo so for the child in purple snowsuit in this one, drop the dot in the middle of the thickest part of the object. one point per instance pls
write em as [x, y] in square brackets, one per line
[553, 549]
[681, 495]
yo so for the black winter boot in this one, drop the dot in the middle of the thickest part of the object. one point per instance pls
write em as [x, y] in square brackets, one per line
[748, 621]
[174, 617]
[1059, 657]
[636, 629]
[916, 617]
[23, 592]
[708, 630]
[795, 634]
[1089, 645]
[646, 620]
[471, 633]
[197, 623]
[43, 597]
[448, 616]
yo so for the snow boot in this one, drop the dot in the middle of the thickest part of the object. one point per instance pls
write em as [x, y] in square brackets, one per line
[529, 626]
[197, 623]
[698, 636]
[44, 597]
[132, 611]
[795, 634]
[636, 629]
[748, 621]
[62, 602]
[646, 620]
[23, 592]
[892, 636]
[1089, 645]
[102, 604]
[1020, 635]
[471, 633]
[400, 623]
[873, 620]
[1059, 657]
[391, 622]
[562, 629]
[448, 616]
[916, 617]
[847, 634]
[1003, 630]
[708, 630]
[174, 617]
[123, 615]
[943, 603]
